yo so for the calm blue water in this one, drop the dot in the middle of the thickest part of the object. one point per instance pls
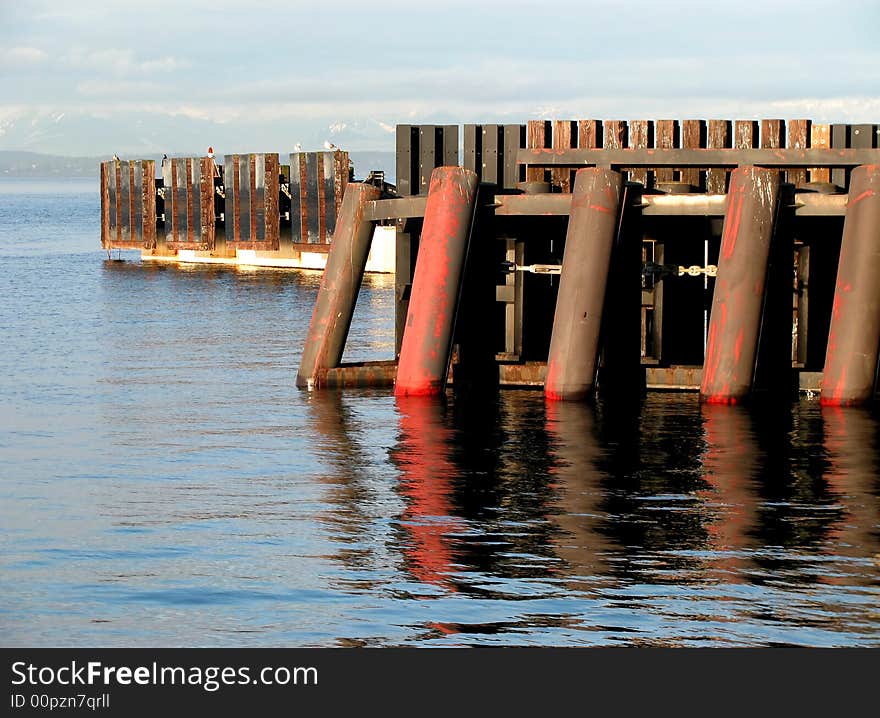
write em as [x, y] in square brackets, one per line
[163, 483]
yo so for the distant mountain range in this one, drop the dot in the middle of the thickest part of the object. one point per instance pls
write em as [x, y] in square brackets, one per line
[34, 165]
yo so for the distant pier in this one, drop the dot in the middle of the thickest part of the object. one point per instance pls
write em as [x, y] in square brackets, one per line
[249, 210]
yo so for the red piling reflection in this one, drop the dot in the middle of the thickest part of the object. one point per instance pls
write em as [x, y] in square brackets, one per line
[851, 443]
[730, 463]
[426, 485]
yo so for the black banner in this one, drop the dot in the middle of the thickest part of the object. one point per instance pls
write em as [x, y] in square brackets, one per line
[544, 681]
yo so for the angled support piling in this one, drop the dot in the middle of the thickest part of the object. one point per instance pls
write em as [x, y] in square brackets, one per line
[427, 338]
[339, 288]
[738, 302]
[577, 322]
[854, 335]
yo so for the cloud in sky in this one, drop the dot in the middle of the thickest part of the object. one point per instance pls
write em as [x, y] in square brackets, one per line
[134, 76]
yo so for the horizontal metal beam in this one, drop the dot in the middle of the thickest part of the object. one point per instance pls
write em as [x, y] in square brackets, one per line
[382, 209]
[807, 204]
[700, 158]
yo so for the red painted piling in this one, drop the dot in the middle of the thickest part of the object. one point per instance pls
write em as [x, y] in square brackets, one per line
[592, 228]
[427, 336]
[737, 305]
[854, 335]
[339, 288]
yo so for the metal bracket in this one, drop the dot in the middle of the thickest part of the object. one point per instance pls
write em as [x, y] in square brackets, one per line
[510, 268]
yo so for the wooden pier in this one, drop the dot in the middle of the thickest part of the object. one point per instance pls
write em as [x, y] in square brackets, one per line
[734, 258]
[249, 210]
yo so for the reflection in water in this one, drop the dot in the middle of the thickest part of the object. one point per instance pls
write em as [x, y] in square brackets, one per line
[579, 515]
[854, 476]
[731, 463]
[422, 455]
[165, 483]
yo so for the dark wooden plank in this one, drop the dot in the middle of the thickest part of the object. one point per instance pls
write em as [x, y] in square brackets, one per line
[272, 220]
[667, 134]
[772, 134]
[117, 190]
[407, 160]
[820, 137]
[128, 181]
[311, 211]
[105, 205]
[693, 136]
[840, 139]
[193, 203]
[472, 154]
[490, 167]
[514, 138]
[322, 174]
[615, 133]
[863, 137]
[719, 137]
[333, 169]
[206, 202]
[235, 215]
[256, 207]
[745, 134]
[564, 136]
[589, 134]
[148, 202]
[137, 201]
[798, 133]
[802, 294]
[303, 174]
[641, 135]
[448, 155]
[428, 153]
[537, 134]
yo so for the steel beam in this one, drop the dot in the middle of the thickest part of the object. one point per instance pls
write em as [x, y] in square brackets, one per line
[700, 158]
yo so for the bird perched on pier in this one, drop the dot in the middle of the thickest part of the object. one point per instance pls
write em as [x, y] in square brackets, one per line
[211, 152]
[328, 145]
[115, 157]
[297, 147]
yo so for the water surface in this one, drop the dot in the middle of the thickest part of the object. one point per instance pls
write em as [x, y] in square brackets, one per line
[163, 483]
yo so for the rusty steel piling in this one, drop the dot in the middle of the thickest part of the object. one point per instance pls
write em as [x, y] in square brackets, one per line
[590, 238]
[427, 338]
[738, 301]
[339, 288]
[854, 336]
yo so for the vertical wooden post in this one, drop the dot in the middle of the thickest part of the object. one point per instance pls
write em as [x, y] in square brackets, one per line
[667, 132]
[537, 134]
[641, 136]
[719, 137]
[820, 138]
[693, 136]
[798, 139]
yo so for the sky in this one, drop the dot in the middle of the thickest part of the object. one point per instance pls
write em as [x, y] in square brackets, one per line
[86, 78]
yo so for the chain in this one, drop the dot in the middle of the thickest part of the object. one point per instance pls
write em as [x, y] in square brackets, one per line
[695, 270]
